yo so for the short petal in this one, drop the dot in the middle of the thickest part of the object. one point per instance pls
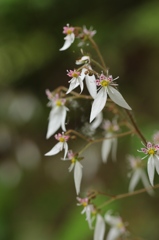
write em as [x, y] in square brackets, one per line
[65, 146]
[151, 169]
[91, 85]
[113, 234]
[106, 147]
[71, 167]
[56, 149]
[69, 39]
[78, 176]
[134, 180]
[99, 103]
[88, 210]
[117, 98]
[73, 84]
[99, 228]
[54, 121]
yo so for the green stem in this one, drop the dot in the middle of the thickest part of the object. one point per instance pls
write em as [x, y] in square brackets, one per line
[125, 195]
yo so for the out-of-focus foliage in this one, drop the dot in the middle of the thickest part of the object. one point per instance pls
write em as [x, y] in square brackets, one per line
[37, 195]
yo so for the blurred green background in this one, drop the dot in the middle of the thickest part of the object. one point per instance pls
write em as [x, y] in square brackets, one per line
[37, 195]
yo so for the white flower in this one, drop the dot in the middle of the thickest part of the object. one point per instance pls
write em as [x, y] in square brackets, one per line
[117, 227]
[57, 115]
[89, 78]
[76, 80]
[88, 209]
[85, 35]
[110, 143]
[70, 37]
[76, 165]
[153, 159]
[99, 230]
[138, 174]
[62, 144]
[106, 87]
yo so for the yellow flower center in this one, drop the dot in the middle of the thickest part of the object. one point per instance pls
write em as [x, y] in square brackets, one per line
[74, 75]
[73, 160]
[120, 225]
[69, 31]
[61, 139]
[151, 151]
[58, 103]
[104, 83]
[84, 204]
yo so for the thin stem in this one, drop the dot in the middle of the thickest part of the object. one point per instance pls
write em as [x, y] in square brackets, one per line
[125, 195]
[137, 130]
[78, 134]
[102, 139]
[98, 52]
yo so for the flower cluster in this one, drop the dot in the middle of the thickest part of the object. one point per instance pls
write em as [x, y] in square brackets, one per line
[104, 99]
[151, 150]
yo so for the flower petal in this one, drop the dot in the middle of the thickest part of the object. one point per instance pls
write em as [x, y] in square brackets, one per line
[65, 146]
[146, 183]
[69, 39]
[63, 118]
[73, 84]
[151, 169]
[99, 103]
[78, 176]
[113, 221]
[106, 147]
[91, 85]
[99, 228]
[88, 210]
[56, 149]
[98, 120]
[156, 160]
[134, 180]
[117, 98]
[54, 121]
[113, 234]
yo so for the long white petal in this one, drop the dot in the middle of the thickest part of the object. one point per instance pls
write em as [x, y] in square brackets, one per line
[97, 121]
[63, 118]
[91, 85]
[56, 149]
[99, 228]
[99, 103]
[106, 147]
[113, 234]
[146, 183]
[54, 121]
[151, 169]
[114, 148]
[77, 176]
[117, 98]
[69, 39]
[156, 160]
[134, 180]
